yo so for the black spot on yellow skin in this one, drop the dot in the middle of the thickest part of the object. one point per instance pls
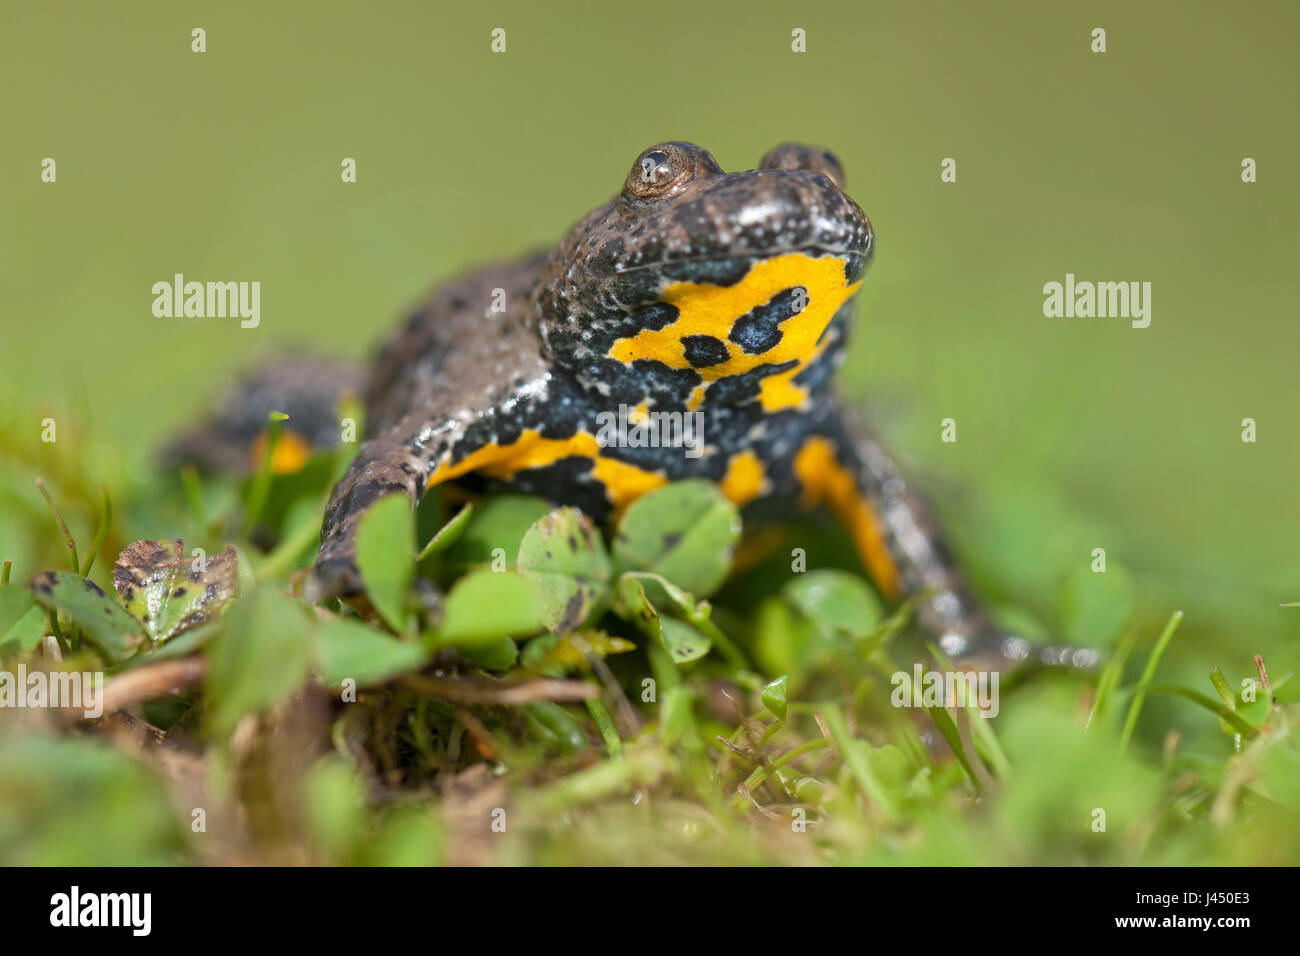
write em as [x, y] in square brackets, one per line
[703, 350]
[759, 330]
[656, 315]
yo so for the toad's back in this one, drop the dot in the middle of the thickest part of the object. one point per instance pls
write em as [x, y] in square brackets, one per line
[471, 345]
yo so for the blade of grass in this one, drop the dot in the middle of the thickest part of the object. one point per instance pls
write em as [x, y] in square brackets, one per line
[63, 525]
[193, 488]
[1225, 691]
[987, 742]
[605, 724]
[725, 646]
[1228, 697]
[853, 759]
[1228, 716]
[101, 532]
[948, 727]
[980, 728]
[64, 643]
[282, 558]
[760, 774]
[1148, 673]
[1110, 676]
[261, 485]
[449, 533]
[963, 720]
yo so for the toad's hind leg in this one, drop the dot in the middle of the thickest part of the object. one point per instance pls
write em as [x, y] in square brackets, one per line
[845, 470]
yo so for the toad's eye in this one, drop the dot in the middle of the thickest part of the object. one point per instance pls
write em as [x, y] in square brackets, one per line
[656, 168]
[799, 156]
[663, 170]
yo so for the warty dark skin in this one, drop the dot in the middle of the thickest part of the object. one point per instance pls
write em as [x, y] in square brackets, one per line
[693, 291]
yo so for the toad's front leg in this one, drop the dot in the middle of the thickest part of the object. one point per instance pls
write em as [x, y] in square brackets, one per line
[392, 463]
[540, 441]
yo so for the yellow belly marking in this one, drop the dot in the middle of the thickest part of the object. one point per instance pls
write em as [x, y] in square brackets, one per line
[745, 479]
[705, 309]
[292, 452]
[623, 483]
[826, 482]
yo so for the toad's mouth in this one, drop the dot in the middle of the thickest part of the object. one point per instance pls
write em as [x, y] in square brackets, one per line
[738, 260]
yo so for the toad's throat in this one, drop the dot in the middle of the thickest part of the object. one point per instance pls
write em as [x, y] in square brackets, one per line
[774, 316]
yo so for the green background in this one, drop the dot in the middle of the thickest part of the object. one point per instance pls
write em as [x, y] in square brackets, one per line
[1073, 434]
